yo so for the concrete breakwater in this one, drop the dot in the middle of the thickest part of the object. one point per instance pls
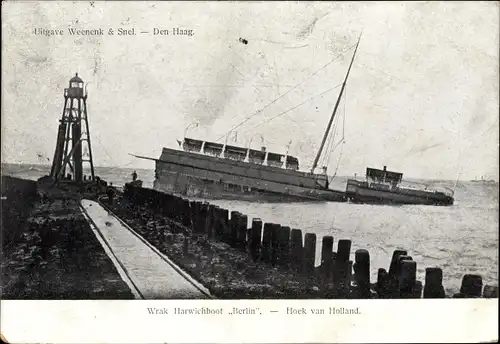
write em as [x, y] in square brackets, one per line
[235, 259]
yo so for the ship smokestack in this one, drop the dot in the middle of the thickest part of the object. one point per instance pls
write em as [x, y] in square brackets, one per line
[385, 168]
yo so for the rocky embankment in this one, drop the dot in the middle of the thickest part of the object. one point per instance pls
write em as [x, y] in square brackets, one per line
[52, 252]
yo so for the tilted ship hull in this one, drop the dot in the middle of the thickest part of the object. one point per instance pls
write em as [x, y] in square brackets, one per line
[212, 170]
[205, 176]
[385, 188]
[362, 194]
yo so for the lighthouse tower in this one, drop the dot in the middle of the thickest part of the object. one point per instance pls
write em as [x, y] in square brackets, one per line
[73, 147]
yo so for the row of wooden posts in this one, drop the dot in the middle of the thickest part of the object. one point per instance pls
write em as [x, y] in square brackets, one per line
[286, 248]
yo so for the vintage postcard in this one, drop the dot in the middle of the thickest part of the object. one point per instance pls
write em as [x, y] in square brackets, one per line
[258, 172]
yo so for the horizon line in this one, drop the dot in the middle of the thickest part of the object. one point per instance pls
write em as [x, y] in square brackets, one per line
[343, 176]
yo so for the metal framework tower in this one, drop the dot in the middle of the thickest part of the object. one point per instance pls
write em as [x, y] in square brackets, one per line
[73, 136]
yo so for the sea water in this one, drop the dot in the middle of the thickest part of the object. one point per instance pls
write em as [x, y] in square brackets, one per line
[461, 239]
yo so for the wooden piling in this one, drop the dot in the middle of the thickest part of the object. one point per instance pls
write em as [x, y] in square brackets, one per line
[381, 286]
[169, 239]
[472, 285]
[296, 249]
[233, 224]
[209, 222]
[342, 269]
[226, 228]
[395, 261]
[309, 254]
[274, 243]
[192, 213]
[255, 238]
[362, 273]
[217, 223]
[350, 276]
[408, 279]
[490, 292]
[266, 242]
[284, 246]
[343, 250]
[181, 210]
[241, 240]
[394, 274]
[433, 288]
[399, 267]
[186, 219]
[327, 257]
[185, 246]
[200, 215]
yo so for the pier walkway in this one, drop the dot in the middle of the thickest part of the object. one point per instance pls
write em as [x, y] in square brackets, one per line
[149, 273]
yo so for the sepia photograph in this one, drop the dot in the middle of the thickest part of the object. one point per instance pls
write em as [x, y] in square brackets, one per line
[249, 151]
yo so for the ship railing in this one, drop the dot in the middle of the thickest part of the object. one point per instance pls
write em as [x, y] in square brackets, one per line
[424, 187]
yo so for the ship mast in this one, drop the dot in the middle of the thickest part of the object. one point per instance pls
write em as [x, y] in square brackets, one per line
[334, 110]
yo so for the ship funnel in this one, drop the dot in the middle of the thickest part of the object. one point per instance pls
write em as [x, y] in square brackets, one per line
[385, 168]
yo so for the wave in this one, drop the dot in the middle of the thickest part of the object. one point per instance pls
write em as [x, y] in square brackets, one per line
[30, 169]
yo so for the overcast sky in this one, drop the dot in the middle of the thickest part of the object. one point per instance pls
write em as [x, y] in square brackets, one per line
[422, 97]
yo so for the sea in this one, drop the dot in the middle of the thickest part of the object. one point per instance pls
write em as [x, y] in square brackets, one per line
[461, 239]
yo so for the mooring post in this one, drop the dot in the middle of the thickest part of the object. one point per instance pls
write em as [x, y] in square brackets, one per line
[255, 238]
[327, 257]
[362, 273]
[472, 285]
[296, 249]
[433, 288]
[266, 242]
[309, 254]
